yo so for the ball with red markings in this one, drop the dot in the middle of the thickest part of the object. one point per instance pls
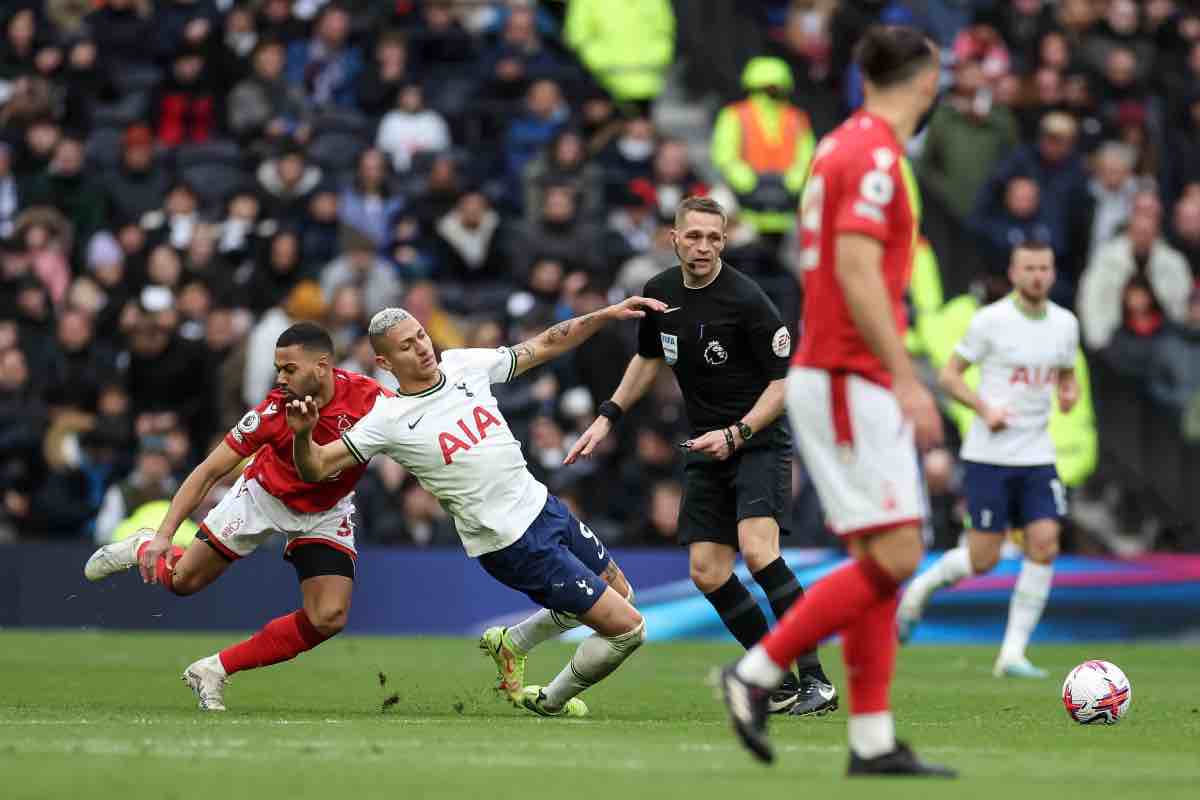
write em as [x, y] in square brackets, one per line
[1097, 691]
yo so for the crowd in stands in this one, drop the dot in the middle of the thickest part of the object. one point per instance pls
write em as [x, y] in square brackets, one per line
[180, 180]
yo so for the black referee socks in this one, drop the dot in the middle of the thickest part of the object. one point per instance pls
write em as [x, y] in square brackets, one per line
[782, 589]
[739, 611]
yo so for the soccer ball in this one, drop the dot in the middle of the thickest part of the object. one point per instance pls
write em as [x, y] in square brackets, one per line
[1097, 691]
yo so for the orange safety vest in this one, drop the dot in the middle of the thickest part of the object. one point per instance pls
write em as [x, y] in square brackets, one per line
[762, 150]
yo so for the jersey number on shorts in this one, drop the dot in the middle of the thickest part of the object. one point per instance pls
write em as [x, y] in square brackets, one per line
[586, 532]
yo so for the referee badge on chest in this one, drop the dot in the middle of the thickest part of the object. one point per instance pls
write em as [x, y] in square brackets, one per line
[670, 346]
[715, 353]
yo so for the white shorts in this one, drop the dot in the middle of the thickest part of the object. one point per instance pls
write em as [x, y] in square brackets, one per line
[248, 515]
[858, 449]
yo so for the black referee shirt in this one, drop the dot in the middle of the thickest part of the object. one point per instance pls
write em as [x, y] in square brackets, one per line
[725, 342]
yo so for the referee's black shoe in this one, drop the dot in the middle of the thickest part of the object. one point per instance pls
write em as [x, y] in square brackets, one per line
[901, 761]
[814, 698]
[747, 708]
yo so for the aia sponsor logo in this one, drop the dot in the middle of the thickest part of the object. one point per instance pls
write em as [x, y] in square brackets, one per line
[1034, 376]
[474, 431]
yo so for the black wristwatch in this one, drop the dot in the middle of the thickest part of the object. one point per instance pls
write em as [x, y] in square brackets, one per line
[745, 430]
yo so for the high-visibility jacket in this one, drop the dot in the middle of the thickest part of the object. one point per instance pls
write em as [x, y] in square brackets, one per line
[770, 149]
[150, 515]
[760, 136]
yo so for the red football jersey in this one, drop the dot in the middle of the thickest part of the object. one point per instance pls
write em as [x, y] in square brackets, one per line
[860, 182]
[264, 433]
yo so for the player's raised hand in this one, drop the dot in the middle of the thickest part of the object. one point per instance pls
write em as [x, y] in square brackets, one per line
[635, 307]
[592, 437]
[302, 415]
[917, 406]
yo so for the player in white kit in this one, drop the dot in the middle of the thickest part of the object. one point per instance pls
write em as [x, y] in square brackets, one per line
[1026, 347]
[446, 428]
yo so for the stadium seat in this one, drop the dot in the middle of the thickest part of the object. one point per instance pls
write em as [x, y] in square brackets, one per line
[103, 148]
[337, 151]
[131, 108]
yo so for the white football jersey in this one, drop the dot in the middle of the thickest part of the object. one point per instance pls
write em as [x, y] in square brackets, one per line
[454, 439]
[1019, 358]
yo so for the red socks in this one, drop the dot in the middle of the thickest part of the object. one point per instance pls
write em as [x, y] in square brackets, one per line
[281, 639]
[165, 564]
[869, 650]
[832, 604]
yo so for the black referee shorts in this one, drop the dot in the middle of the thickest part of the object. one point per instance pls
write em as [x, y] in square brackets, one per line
[717, 495]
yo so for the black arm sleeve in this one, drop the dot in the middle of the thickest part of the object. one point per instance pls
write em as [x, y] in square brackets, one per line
[770, 339]
[649, 343]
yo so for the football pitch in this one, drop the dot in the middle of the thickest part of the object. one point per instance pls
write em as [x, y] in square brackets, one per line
[104, 715]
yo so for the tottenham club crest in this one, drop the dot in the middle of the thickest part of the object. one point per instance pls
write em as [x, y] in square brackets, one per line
[715, 353]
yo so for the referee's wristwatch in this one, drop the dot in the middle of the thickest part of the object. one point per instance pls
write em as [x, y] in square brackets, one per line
[744, 430]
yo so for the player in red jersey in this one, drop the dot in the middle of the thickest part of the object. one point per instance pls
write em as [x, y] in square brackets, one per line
[269, 497]
[856, 404]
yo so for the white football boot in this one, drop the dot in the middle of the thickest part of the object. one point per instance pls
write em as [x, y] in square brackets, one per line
[207, 680]
[116, 557]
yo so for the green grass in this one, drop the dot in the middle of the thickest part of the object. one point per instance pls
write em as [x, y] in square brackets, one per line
[104, 715]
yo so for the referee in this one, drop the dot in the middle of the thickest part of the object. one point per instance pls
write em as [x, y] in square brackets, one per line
[729, 348]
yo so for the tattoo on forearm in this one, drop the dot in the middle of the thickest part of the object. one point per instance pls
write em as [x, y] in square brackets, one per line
[563, 329]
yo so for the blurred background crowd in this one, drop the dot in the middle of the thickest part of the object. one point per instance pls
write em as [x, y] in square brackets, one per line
[180, 180]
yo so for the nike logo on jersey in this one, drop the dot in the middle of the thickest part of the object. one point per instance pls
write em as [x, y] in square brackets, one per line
[416, 422]
[270, 409]
[669, 310]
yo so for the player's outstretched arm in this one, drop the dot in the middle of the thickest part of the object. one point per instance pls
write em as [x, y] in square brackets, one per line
[571, 333]
[314, 462]
[219, 463]
[636, 381]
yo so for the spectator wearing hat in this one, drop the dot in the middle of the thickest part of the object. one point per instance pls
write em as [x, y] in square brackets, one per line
[762, 146]
[411, 128]
[139, 182]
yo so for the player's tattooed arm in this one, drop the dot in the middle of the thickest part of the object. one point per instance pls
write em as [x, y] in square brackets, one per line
[569, 334]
